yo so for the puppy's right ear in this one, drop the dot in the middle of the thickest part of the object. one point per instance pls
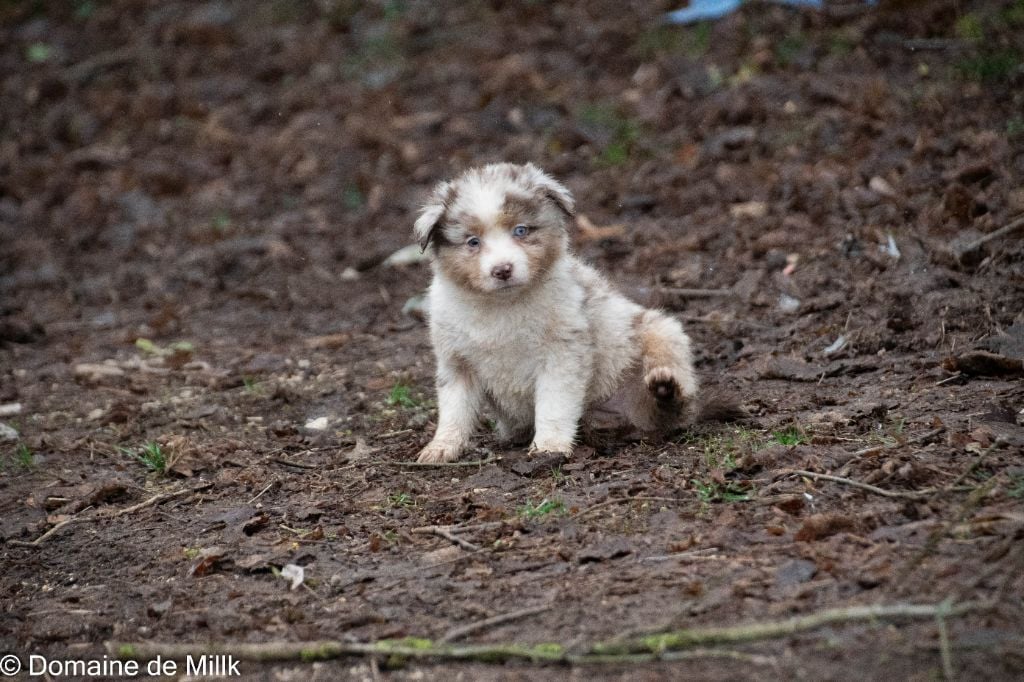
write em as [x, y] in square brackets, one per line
[432, 216]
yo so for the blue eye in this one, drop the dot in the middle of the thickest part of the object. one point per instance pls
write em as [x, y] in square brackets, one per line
[520, 231]
[473, 242]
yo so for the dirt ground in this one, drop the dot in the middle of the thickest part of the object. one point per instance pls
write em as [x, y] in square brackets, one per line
[196, 200]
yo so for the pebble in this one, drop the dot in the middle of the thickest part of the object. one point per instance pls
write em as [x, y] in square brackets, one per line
[788, 304]
[10, 409]
[7, 432]
[97, 371]
[318, 424]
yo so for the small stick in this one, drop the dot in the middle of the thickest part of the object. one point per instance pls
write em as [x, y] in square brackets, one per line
[45, 536]
[693, 554]
[916, 439]
[462, 631]
[974, 466]
[443, 532]
[483, 525]
[297, 465]
[473, 463]
[949, 379]
[696, 293]
[260, 493]
[673, 644]
[1016, 224]
[617, 500]
[944, 648]
[156, 499]
[910, 494]
[392, 434]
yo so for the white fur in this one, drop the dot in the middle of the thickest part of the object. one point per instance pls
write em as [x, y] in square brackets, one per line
[503, 250]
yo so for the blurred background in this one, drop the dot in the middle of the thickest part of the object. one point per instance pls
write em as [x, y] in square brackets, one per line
[241, 156]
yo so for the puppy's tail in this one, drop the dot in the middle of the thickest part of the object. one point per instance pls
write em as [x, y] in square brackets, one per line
[719, 406]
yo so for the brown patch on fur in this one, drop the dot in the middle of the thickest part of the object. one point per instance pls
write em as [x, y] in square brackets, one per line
[559, 202]
[459, 266]
[543, 246]
[444, 194]
[654, 350]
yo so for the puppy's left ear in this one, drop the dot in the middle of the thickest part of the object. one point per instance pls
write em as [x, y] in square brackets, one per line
[432, 216]
[553, 190]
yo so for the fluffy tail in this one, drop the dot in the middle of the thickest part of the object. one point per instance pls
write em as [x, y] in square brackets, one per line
[719, 406]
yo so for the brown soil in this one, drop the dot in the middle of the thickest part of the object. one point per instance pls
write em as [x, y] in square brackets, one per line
[206, 173]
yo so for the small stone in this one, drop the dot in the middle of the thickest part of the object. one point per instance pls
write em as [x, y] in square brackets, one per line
[10, 409]
[880, 185]
[97, 372]
[7, 432]
[349, 274]
[749, 209]
[318, 424]
[788, 304]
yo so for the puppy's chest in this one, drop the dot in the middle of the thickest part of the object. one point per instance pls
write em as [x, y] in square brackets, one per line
[507, 350]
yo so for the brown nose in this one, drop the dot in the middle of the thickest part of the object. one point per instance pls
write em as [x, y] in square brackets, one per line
[502, 272]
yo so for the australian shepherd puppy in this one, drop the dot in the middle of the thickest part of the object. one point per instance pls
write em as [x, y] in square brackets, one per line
[525, 331]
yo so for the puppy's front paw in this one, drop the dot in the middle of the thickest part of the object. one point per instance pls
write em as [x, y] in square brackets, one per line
[666, 385]
[552, 446]
[437, 452]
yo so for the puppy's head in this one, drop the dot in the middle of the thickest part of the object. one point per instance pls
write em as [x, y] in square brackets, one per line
[498, 228]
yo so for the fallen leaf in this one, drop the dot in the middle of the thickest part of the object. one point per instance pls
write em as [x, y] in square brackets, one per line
[209, 559]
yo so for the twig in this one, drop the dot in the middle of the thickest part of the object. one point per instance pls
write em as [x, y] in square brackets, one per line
[974, 466]
[695, 293]
[735, 634]
[944, 649]
[156, 499]
[906, 494]
[472, 463]
[932, 541]
[444, 532]
[912, 441]
[1016, 224]
[260, 493]
[693, 554]
[615, 501]
[392, 434]
[462, 631]
[670, 645]
[297, 465]
[948, 379]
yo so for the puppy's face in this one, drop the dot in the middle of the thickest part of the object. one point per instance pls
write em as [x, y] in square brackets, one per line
[497, 229]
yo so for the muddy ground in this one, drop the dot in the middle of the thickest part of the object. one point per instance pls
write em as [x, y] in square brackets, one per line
[195, 203]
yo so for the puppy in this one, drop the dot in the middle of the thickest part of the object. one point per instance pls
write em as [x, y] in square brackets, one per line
[526, 331]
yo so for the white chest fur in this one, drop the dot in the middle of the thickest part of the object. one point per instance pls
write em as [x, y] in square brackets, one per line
[507, 340]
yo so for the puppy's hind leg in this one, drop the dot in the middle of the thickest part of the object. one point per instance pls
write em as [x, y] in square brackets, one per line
[666, 365]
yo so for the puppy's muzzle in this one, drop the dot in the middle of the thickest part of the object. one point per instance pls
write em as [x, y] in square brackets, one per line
[502, 272]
